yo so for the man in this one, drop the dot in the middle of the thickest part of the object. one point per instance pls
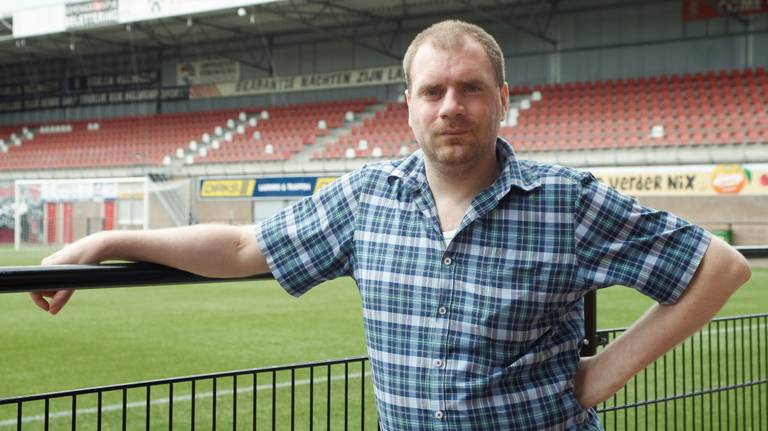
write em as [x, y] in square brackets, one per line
[471, 264]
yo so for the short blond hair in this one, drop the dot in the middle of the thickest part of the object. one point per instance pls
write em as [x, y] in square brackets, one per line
[452, 34]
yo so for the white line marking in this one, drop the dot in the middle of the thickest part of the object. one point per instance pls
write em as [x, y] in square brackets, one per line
[163, 401]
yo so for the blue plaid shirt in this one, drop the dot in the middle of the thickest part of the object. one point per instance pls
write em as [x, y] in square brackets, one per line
[483, 333]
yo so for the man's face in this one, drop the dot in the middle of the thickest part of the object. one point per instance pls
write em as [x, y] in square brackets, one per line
[455, 105]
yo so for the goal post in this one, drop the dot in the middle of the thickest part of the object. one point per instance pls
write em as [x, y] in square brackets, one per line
[54, 212]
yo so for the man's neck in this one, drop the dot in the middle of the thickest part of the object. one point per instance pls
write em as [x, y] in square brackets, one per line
[454, 187]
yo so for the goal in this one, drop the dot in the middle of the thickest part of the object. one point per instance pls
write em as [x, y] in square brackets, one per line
[55, 212]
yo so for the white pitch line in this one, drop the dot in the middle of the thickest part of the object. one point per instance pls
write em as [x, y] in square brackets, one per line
[162, 401]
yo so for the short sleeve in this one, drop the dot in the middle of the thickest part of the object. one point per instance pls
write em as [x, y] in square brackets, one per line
[311, 241]
[618, 241]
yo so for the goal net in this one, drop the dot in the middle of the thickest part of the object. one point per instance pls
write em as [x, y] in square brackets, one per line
[57, 212]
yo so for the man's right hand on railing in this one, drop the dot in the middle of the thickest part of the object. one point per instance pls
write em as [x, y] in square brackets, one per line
[219, 251]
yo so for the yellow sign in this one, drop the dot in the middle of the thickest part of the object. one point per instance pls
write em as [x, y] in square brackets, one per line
[710, 180]
[227, 188]
[322, 182]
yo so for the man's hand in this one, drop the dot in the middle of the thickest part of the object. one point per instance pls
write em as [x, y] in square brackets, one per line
[590, 388]
[82, 251]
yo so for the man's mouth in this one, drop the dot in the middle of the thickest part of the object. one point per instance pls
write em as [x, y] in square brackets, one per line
[453, 132]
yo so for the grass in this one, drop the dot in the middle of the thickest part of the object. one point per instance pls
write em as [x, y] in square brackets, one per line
[122, 335]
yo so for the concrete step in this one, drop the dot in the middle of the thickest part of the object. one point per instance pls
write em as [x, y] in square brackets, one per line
[333, 134]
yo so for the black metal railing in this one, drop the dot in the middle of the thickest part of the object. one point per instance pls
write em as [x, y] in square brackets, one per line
[717, 379]
[327, 395]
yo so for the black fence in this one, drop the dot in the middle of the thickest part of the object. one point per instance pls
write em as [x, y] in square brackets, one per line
[717, 379]
[329, 395]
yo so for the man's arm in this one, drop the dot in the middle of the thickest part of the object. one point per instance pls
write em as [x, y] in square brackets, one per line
[208, 250]
[662, 327]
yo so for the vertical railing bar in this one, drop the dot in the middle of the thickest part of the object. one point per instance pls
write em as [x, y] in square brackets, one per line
[346, 396]
[74, 412]
[701, 375]
[215, 396]
[311, 398]
[192, 406]
[274, 399]
[655, 394]
[684, 401]
[148, 396]
[645, 397]
[255, 399]
[234, 402]
[98, 411]
[692, 340]
[362, 394]
[760, 371]
[170, 406]
[19, 415]
[124, 415]
[727, 378]
[674, 387]
[743, 373]
[711, 373]
[328, 401]
[47, 413]
[666, 405]
[764, 372]
[719, 374]
[293, 397]
[751, 374]
[635, 409]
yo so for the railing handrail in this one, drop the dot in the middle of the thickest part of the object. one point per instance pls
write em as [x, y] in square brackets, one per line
[14, 279]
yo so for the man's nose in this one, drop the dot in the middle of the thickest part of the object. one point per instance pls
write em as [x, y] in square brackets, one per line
[452, 104]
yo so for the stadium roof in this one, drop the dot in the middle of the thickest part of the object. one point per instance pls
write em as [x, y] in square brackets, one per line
[204, 34]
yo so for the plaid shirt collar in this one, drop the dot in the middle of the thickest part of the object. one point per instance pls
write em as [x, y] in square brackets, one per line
[413, 177]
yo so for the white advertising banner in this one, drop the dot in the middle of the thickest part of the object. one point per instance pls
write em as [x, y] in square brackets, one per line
[140, 10]
[39, 21]
[317, 81]
[207, 71]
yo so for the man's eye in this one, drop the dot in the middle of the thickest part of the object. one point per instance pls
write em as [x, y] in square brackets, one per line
[432, 92]
[472, 89]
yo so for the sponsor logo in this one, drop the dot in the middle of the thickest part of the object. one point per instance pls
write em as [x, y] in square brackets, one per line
[227, 188]
[730, 179]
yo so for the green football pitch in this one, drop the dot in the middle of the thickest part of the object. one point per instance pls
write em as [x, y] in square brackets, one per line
[122, 335]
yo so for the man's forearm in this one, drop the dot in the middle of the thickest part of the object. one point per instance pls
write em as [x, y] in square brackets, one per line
[209, 250]
[660, 329]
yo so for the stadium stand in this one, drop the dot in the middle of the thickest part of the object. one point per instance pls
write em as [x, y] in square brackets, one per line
[712, 108]
[679, 110]
[273, 133]
[696, 109]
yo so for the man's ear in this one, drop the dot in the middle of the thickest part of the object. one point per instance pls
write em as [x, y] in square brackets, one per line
[504, 96]
[408, 104]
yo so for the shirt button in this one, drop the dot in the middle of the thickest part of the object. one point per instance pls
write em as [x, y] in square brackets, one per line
[438, 363]
[447, 261]
[439, 414]
[441, 311]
